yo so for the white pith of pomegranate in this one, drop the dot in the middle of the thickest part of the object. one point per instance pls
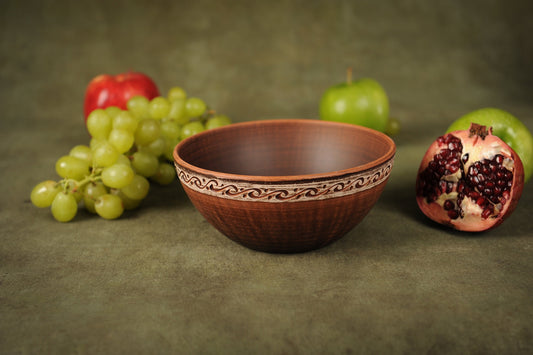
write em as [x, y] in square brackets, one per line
[469, 180]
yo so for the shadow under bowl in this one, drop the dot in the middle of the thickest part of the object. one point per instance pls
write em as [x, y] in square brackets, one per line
[285, 185]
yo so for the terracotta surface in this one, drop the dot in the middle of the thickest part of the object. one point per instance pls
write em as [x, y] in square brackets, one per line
[285, 185]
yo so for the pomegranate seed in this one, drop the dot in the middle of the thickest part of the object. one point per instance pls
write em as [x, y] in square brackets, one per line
[449, 187]
[474, 195]
[453, 169]
[453, 214]
[448, 205]
[485, 214]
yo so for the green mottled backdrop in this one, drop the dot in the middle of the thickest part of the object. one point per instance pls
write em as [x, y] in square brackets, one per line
[161, 280]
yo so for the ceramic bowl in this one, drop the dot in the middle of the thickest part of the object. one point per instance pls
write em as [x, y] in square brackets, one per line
[285, 185]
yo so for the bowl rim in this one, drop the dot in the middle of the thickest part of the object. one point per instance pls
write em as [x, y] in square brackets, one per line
[285, 178]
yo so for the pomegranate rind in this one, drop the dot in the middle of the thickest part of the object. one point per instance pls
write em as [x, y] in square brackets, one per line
[470, 219]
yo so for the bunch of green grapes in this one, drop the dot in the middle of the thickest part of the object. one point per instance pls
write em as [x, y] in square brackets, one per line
[128, 150]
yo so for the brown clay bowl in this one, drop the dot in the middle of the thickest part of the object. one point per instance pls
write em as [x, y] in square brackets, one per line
[285, 185]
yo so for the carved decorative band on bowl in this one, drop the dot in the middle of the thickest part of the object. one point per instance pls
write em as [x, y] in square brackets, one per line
[265, 192]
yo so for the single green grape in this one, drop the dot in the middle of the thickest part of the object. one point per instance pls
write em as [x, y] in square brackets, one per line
[138, 106]
[64, 207]
[393, 127]
[121, 139]
[43, 194]
[137, 189]
[194, 107]
[170, 129]
[191, 128]
[127, 203]
[91, 192]
[144, 163]
[123, 159]
[159, 107]
[105, 154]
[109, 206]
[217, 121]
[170, 145]
[99, 124]
[77, 192]
[70, 167]
[156, 148]
[126, 121]
[176, 93]
[117, 176]
[112, 111]
[177, 112]
[94, 142]
[147, 131]
[82, 152]
[165, 174]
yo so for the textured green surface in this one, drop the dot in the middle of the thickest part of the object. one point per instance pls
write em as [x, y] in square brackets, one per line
[162, 280]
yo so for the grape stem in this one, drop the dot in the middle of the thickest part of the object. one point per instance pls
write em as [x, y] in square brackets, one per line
[204, 116]
[74, 185]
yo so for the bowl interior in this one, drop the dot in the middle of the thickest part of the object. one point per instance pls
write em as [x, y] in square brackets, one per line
[285, 148]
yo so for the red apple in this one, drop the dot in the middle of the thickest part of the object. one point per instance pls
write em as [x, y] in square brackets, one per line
[115, 90]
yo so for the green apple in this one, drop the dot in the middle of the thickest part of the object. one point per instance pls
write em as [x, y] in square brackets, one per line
[362, 102]
[507, 127]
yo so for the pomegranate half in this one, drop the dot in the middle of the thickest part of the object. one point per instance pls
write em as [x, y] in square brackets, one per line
[469, 180]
